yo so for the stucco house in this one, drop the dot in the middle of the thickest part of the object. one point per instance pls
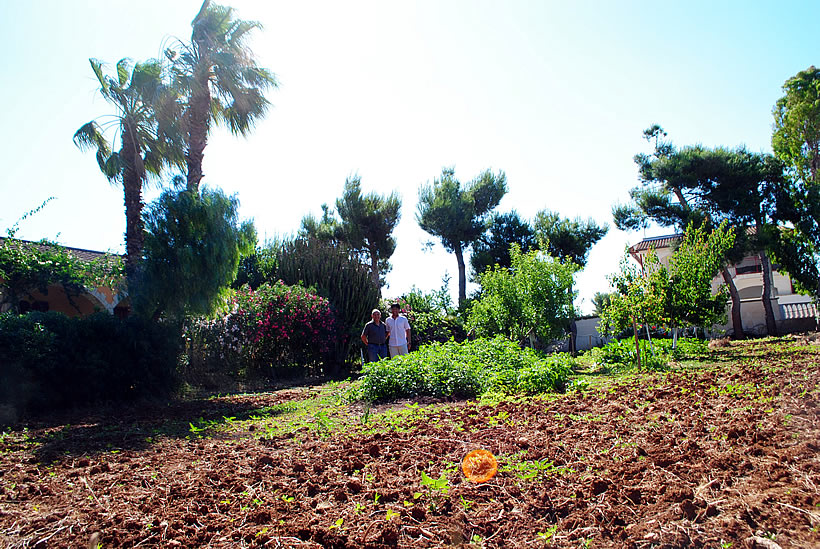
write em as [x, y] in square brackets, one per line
[56, 299]
[792, 311]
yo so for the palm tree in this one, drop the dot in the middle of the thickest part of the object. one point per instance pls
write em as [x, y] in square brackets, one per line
[219, 80]
[147, 142]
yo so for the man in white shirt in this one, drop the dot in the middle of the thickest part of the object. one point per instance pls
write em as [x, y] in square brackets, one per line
[399, 328]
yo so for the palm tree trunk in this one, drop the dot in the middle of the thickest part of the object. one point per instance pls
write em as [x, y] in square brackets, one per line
[771, 324]
[198, 118]
[133, 177]
[462, 274]
[737, 321]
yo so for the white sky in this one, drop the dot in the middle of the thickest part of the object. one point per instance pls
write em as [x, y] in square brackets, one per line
[556, 94]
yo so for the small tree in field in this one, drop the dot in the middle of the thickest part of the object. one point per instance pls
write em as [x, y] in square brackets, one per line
[639, 298]
[699, 258]
[533, 296]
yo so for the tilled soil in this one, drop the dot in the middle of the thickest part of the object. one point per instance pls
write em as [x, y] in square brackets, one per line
[722, 454]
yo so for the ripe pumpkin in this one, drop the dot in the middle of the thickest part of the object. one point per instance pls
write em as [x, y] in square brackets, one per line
[479, 466]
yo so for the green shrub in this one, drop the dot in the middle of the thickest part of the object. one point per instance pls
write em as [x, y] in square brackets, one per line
[50, 362]
[430, 317]
[338, 275]
[466, 369]
[620, 353]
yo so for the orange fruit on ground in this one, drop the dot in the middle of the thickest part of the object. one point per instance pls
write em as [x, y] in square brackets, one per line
[479, 466]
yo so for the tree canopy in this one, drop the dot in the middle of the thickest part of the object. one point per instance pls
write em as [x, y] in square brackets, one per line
[456, 213]
[533, 296]
[193, 245]
[218, 80]
[366, 223]
[567, 239]
[796, 142]
[493, 246]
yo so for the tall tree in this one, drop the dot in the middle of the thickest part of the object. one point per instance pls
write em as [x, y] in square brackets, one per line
[493, 246]
[796, 142]
[567, 239]
[323, 229]
[365, 224]
[668, 197]
[368, 222]
[219, 80]
[147, 143]
[796, 137]
[456, 213]
[697, 260]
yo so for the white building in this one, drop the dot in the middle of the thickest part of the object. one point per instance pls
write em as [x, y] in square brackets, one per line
[793, 312]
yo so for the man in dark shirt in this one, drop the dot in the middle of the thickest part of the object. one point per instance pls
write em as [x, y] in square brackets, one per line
[375, 336]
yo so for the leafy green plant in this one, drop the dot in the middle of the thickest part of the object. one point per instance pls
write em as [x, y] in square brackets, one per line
[534, 296]
[548, 534]
[464, 369]
[437, 486]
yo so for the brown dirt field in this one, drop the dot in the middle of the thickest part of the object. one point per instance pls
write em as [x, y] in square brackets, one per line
[719, 454]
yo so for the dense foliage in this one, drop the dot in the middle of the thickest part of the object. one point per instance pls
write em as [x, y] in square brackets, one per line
[698, 259]
[29, 266]
[337, 275]
[493, 246]
[193, 244]
[534, 296]
[430, 314]
[464, 369]
[34, 266]
[796, 142]
[620, 354]
[276, 330]
[51, 362]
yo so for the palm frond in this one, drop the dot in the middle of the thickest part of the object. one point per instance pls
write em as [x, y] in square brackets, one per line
[123, 69]
[97, 67]
[112, 167]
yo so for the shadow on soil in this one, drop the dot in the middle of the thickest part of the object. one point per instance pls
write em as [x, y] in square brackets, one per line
[138, 426]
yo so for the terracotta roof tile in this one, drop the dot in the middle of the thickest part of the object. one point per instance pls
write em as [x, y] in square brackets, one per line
[79, 253]
[656, 242]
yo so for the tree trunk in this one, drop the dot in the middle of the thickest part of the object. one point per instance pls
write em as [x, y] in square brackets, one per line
[771, 324]
[637, 343]
[374, 266]
[133, 177]
[462, 275]
[737, 322]
[198, 122]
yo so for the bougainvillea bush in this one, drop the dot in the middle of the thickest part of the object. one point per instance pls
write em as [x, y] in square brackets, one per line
[275, 330]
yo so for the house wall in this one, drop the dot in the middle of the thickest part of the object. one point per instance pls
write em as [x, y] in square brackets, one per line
[588, 336]
[58, 300]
